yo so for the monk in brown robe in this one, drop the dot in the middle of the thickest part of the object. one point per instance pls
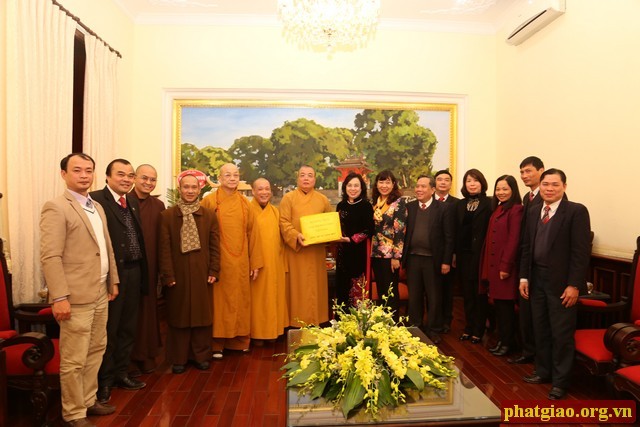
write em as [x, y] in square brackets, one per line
[148, 342]
[307, 277]
[189, 266]
[240, 257]
[269, 314]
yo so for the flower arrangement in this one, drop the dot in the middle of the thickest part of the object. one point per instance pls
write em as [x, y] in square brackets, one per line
[364, 358]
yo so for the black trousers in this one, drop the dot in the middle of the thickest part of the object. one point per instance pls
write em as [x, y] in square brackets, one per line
[385, 280]
[422, 280]
[121, 327]
[506, 319]
[554, 327]
[525, 322]
[447, 284]
[475, 304]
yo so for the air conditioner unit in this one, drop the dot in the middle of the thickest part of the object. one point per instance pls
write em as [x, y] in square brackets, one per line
[537, 16]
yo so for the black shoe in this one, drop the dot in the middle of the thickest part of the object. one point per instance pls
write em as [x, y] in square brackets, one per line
[127, 383]
[203, 366]
[475, 340]
[104, 394]
[434, 337]
[557, 393]
[535, 379]
[446, 329]
[522, 359]
[496, 347]
[101, 409]
[465, 337]
[178, 369]
[502, 351]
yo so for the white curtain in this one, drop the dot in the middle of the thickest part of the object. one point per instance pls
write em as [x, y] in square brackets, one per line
[100, 95]
[39, 127]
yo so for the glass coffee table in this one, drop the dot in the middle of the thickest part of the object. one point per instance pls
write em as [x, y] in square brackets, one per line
[462, 404]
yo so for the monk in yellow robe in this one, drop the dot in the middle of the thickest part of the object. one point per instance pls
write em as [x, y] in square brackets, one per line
[307, 277]
[240, 260]
[269, 314]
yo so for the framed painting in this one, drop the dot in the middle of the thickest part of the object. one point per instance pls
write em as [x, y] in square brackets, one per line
[272, 139]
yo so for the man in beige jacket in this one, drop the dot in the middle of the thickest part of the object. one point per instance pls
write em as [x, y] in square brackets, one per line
[80, 271]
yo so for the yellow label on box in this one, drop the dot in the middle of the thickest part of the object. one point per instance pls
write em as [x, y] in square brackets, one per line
[320, 228]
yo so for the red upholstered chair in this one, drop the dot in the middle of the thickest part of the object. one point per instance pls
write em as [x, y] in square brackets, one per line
[627, 377]
[29, 361]
[591, 351]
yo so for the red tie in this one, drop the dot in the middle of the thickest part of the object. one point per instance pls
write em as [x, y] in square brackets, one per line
[531, 196]
[423, 206]
[545, 217]
[441, 199]
[123, 202]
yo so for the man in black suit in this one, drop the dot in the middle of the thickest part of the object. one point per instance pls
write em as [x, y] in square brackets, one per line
[443, 187]
[123, 222]
[530, 170]
[428, 248]
[554, 266]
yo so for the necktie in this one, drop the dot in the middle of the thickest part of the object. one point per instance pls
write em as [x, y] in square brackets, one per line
[441, 199]
[545, 217]
[531, 196]
[123, 202]
[89, 204]
[423, 206]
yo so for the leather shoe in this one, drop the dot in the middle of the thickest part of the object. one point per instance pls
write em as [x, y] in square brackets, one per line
[101, 409]
[178, 369]
[464, 337]
[557, 393]
[104, 394]
[434, 337]
[130, 384]
[496, 347]
[203, 366]
[502, 351]
[536, 379]
[475, 340]
[80, 422]
[520, 359]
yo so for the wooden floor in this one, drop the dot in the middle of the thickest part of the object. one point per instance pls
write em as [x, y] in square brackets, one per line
[245, 389]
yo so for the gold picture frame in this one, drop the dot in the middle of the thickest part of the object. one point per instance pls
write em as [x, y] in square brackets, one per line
[217, 124]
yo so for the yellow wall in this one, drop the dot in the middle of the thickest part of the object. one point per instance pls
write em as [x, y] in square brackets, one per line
[570, 95]
[4, 230]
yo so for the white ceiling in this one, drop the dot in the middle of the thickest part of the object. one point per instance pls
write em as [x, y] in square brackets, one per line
[394, 13]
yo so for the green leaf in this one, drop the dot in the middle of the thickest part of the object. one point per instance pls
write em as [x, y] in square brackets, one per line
[384, 391]
[318, 389]
[415, 378]
[351, 341]
[354, 394]
[291, 365]
[304, 375]
[332, 390]
[305, 349]
[434, 369]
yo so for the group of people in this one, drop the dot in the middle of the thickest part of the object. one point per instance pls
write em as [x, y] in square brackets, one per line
[506, 252]
[235, 270]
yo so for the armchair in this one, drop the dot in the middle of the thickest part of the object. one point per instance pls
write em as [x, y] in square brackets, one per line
[592, 350]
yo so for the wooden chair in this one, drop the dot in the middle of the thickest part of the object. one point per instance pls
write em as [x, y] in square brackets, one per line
[28, 361]
[626, 378]
[591, 349]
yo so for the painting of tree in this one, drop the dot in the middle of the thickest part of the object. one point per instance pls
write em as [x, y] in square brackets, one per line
[274, 141]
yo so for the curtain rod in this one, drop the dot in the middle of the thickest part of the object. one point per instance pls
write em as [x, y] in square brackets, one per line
[84, 27]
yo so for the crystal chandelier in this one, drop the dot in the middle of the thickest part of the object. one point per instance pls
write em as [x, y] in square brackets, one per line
[329, 24]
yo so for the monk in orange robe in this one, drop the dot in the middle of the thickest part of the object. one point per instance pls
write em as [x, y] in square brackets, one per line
[307, 277]
[240, 260]
[269, 314]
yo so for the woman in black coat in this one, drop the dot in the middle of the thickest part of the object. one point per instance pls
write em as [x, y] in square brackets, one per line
[472, 215]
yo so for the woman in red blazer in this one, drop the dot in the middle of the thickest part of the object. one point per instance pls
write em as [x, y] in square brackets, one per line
[499, 264]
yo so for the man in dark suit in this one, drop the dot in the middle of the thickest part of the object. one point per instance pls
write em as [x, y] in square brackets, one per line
[80, 271]
[443, 187]
[530, 170]
[125, 230]
[428, 248]
[554, 267]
